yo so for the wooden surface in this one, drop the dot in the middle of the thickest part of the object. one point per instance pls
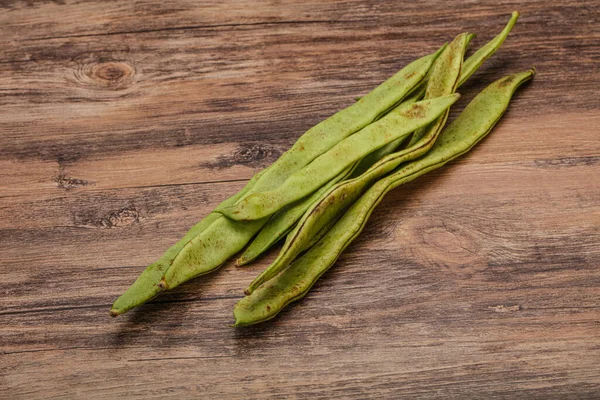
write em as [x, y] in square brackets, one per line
[123, 123]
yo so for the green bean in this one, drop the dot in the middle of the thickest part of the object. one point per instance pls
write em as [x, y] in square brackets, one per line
[470, 65]
[283, 221]
[444, 79]
[468, 68]
[146, 286]
[205, 253]
[225, 237]
[472, 125]
[346, 122]
[399, 123]
[154, 278]
[474, 62]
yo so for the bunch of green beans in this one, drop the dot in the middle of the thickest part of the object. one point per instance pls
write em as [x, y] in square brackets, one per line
[321, 192]
[473, 124]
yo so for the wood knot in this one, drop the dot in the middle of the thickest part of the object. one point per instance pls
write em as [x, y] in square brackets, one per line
[65, 182]
[256, 155]
[442, 243]
[117, 219]
[114, 75]
[110, 72]
[253, 154]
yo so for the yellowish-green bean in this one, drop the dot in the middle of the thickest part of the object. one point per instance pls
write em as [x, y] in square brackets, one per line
[326, 134]
[473, 124]
[225, 237]
[443, 81]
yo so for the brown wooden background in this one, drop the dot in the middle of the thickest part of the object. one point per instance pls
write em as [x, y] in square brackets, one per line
[124, 122]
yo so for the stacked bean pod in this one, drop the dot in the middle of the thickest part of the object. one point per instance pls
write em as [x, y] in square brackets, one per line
[321, 192]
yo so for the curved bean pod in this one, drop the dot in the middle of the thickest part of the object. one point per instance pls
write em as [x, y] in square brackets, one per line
[225, 237]
[469, 67]
[474, 62]
[472, 125]
[444, 79]
[399, 123]
[211, 248]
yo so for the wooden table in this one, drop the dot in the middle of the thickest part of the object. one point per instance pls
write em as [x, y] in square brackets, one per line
[123, 123]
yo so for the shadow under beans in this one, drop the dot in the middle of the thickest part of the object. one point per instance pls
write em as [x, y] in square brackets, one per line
[167, 309]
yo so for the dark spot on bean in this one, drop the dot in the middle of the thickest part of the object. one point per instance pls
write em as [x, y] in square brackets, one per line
[415, 111]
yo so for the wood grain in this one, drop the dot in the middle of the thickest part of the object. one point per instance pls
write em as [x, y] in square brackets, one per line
[123, 123]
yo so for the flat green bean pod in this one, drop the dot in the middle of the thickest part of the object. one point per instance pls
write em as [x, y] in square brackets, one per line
[472, 125]
[444, 79]
[398, 123]
[470, 65]
[225, 237]
[474, 62]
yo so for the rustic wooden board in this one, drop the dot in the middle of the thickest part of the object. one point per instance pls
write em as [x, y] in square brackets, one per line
[122, 123]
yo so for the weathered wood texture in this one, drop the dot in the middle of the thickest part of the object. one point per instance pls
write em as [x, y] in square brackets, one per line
[122, 123]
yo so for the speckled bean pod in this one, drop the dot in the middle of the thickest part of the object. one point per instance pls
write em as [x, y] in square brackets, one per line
[443, 81]
[472, 125]
[215, 239]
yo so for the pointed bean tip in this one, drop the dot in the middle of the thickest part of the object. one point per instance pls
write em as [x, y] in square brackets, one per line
[114, 313]
[515, 14]
[237, 322]
[469, 37]
[240, 262]
[248, 291]
[439, 51]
